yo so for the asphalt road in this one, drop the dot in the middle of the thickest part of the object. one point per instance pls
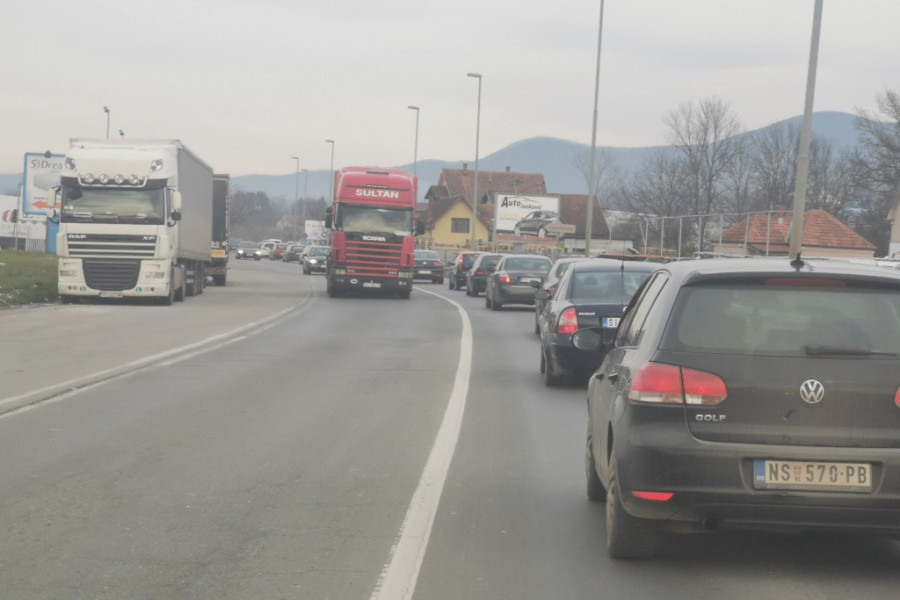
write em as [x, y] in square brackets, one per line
[264, 441]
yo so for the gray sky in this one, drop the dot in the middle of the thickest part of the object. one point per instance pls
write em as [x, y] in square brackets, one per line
[247, 84]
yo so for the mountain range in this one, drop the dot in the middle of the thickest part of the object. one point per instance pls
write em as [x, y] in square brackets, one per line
[553, 157]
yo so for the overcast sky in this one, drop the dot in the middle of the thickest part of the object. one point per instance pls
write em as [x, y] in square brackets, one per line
[247, 84]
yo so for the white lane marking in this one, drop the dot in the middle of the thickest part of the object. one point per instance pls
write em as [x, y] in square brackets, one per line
[67, 387]
[399, 577]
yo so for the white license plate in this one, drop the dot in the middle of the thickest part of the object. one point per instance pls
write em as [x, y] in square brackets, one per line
[529, 279]
[611, 322]
[112, 295]
[812, 476]
[371, 284]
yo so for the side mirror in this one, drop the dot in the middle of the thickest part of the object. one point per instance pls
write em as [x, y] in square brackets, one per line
[536, 285]
[329, 212]
[420, 227]
[540, 294]
[590, 339]
[176, 215]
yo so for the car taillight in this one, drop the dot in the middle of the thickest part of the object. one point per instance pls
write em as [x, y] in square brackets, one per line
[897, 398]
[552, 290]
[655, 496]
[656, 383]
[504, 278]
[568, 321]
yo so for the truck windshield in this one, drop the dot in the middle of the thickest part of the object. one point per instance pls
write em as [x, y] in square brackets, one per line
[368, 219]
[112, 205]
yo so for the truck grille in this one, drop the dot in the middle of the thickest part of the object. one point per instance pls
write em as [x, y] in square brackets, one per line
[111, 275]
[373, 259]
[109, 246]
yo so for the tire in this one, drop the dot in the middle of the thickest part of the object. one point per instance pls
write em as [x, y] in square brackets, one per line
[551, 379]
[496, 304]
[626, 536]
[487, 300]
[305, 269]
[219, 279]
[595, 490]
[537, 327]
[451, 282]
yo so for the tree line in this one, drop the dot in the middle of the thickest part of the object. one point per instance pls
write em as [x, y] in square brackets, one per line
[710, 169]
[255, 216]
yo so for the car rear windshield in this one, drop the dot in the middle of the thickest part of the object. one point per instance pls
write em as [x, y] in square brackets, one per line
[527, 264]
[799, 320]
[613, 287]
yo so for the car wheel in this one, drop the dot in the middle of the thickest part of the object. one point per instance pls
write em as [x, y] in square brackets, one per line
[537, 327]
[626, 536]
[496, 304]
[487, 300]
[450, 282]
[551, 379]
[595, 489]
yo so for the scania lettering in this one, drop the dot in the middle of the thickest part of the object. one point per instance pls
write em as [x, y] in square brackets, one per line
[135, 220]
[372, 229]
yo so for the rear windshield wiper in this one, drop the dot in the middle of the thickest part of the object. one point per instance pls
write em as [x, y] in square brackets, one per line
[819, 350]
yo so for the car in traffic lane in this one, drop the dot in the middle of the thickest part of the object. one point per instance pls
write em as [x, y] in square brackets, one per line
[551, 281]
[456, 269]
[748, 393]
[591, 293]
[515, 280]
[481, 269]
[247, 249]
[428, 265]
[315, 259]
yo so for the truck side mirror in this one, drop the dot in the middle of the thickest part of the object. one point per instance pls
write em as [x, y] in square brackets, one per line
[328, 215]
[420, 227]
[176, 201]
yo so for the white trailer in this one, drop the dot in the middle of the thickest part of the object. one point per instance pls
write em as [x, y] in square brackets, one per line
[135, 220]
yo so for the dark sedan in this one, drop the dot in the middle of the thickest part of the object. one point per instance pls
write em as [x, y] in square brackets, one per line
[749, 393]
[315, 260]
[592, 293]
[515, 279]
[551, 281]
[428, 265]
[247, 250]
[456, 269]
[476, 276]
[535, 223]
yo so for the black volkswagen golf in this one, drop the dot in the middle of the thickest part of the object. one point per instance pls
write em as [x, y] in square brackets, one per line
[748, 393]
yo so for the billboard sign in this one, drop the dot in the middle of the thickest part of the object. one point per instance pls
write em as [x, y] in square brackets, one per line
[525, 218]
[41, 174]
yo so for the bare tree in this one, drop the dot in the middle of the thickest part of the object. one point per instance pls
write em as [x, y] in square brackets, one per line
[704, 134]
[775, 163]
[605, 172]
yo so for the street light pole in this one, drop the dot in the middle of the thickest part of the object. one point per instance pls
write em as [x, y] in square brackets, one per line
[305, 197]
[331, 173]
[416, 146]
[589, 220]
[475, 185]
[296, 192]
[106, 110]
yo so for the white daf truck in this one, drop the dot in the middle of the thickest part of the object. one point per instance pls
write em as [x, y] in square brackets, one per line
[135, 220]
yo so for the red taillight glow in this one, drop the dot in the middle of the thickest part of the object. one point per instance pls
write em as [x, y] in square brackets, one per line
[897, 398]
[567, 322]
[655, 496]
[504, 278]
[656, 383]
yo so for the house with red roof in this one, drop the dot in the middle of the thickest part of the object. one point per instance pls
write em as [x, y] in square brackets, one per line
[767, 235]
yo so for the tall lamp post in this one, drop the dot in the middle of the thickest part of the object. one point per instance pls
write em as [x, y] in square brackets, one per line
[416, 145]
[331, 174]
[475, 185]
[106, 110]
[296, 192]
[589, 221]
[305, 197]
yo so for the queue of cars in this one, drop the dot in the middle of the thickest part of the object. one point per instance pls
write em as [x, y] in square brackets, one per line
[728, 393]
[312, 258]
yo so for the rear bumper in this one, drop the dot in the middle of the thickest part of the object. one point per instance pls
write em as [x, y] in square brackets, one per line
[713, 484]
[515, 294]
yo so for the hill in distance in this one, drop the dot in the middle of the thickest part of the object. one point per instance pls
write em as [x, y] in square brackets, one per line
[555, 158]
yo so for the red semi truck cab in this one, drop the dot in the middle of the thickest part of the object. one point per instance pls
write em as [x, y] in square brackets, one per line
[373, 228]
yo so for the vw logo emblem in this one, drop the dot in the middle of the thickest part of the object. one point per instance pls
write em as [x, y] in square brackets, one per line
[812, 391]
